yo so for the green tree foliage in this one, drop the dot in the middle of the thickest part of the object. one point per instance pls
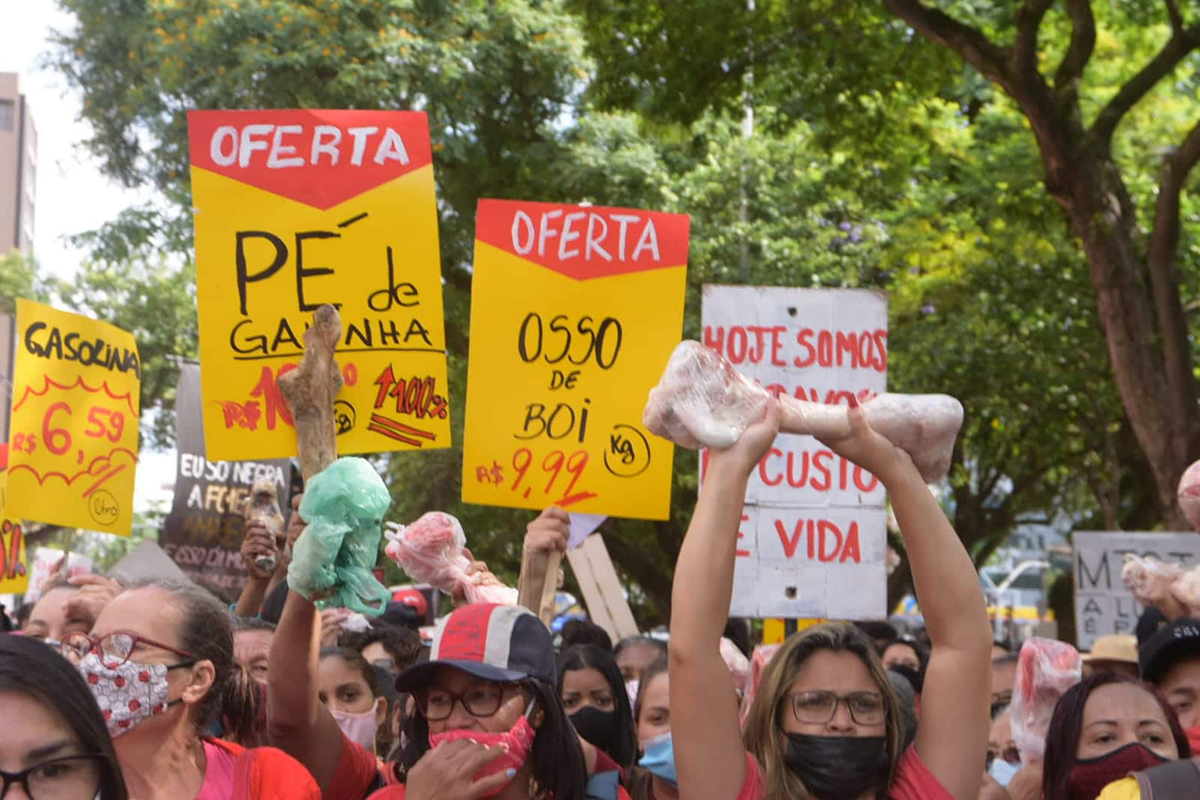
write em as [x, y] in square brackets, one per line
[877, 161]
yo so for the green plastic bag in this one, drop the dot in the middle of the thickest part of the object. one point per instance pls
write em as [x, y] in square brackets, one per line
[344, 506]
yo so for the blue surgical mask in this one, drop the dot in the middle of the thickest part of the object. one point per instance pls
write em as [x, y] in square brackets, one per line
[1002, 771]
[659, 757]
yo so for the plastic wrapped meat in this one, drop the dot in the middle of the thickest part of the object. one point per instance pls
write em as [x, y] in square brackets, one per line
[739, 667]
[1189, 495]
[1148, 579]
[1046, 669]
[332, 561]
[759, 660]
[430, 550]
[702, 401]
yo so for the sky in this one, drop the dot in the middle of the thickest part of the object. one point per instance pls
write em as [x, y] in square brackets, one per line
[72, 194]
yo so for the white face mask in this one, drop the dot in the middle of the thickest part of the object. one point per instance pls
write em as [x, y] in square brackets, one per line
[1002, 771]
[129, 693]
[358, 728]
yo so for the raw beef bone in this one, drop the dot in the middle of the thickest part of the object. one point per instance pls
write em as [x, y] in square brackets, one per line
[1189, 495]
[263, 507]
[702, 401]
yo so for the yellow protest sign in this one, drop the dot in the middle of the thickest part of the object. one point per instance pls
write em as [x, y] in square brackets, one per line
[295, 209]
[14, 568]
[574, 312]
[73, 440]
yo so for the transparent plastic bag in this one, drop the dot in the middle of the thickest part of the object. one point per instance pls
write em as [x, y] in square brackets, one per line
[1148, 579]
[1046, 669]
[759, 660]
[1189, 495]
[331, 564]
[430, 550]
[739, 665]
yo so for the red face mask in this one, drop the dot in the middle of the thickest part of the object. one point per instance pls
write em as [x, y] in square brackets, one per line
[1090, 777]
[517, 742]
[1193, 735]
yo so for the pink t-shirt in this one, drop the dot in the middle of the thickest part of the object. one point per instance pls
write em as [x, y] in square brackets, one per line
[218, 774]
[913, 781]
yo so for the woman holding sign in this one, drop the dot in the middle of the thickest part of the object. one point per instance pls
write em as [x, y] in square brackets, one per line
[825, 722]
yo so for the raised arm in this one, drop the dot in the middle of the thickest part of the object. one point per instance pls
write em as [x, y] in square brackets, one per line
[952, 735]
[297, 722]
[709, 756]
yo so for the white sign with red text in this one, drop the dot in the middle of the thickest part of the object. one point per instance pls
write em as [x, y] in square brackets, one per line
[813, 538]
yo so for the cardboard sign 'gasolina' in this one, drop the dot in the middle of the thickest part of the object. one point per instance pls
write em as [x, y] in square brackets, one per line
[574, 312]
[73, 442]
[296, 209]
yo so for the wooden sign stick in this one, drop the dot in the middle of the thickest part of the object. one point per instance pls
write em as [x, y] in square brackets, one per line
[538, 582]
[310, 390]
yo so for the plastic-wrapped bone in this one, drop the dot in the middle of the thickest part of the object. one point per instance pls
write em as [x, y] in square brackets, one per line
[1148, 579]
[1046, 669]
[263, 507]
[431, 550]
[702, 401]
[1189, 495]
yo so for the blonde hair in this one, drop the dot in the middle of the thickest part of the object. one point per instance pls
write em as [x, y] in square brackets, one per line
[763, 732]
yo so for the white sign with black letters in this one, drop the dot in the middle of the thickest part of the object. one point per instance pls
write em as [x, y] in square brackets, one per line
[1103, 605]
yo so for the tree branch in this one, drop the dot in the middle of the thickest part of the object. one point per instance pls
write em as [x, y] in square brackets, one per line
[1029, 20]
[1182, 42]
[1162, 265]
[975, 48]
[1174, 15]
[1079, 51]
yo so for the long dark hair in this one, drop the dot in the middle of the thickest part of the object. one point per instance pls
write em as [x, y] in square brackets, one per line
[556, 757]
[31, 667]
[624, 741]
[1066, 726]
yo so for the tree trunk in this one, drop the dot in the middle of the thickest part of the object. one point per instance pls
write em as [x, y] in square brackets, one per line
[1096, 204]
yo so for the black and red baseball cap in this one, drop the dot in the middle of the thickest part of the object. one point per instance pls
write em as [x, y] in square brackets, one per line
[493, 642]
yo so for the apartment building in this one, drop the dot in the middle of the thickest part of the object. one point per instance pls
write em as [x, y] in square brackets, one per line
[18, 167]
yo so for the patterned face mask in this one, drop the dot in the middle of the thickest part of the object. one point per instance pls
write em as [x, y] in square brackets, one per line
[127, 693]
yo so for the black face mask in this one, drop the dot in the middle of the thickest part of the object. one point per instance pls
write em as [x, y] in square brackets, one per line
[595, 726]
[839, 767]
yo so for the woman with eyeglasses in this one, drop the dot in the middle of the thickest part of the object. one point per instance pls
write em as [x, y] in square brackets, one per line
[159, 663]
[489, 721]
[825, 722]
[55, 745]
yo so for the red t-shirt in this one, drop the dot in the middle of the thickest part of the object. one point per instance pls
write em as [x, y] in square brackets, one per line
[262, 773]
[357, 771]
[913, 781]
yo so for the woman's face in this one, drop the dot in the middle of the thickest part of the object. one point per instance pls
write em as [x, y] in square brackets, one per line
[901, 654]
[450, 685]
[153, 613]
[1120, 714]
[1000, 740]
[845, 676]
[586, 687]
[341, 686]
[43, 735]
[654, 718]
[49, 621]
[634, 660]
